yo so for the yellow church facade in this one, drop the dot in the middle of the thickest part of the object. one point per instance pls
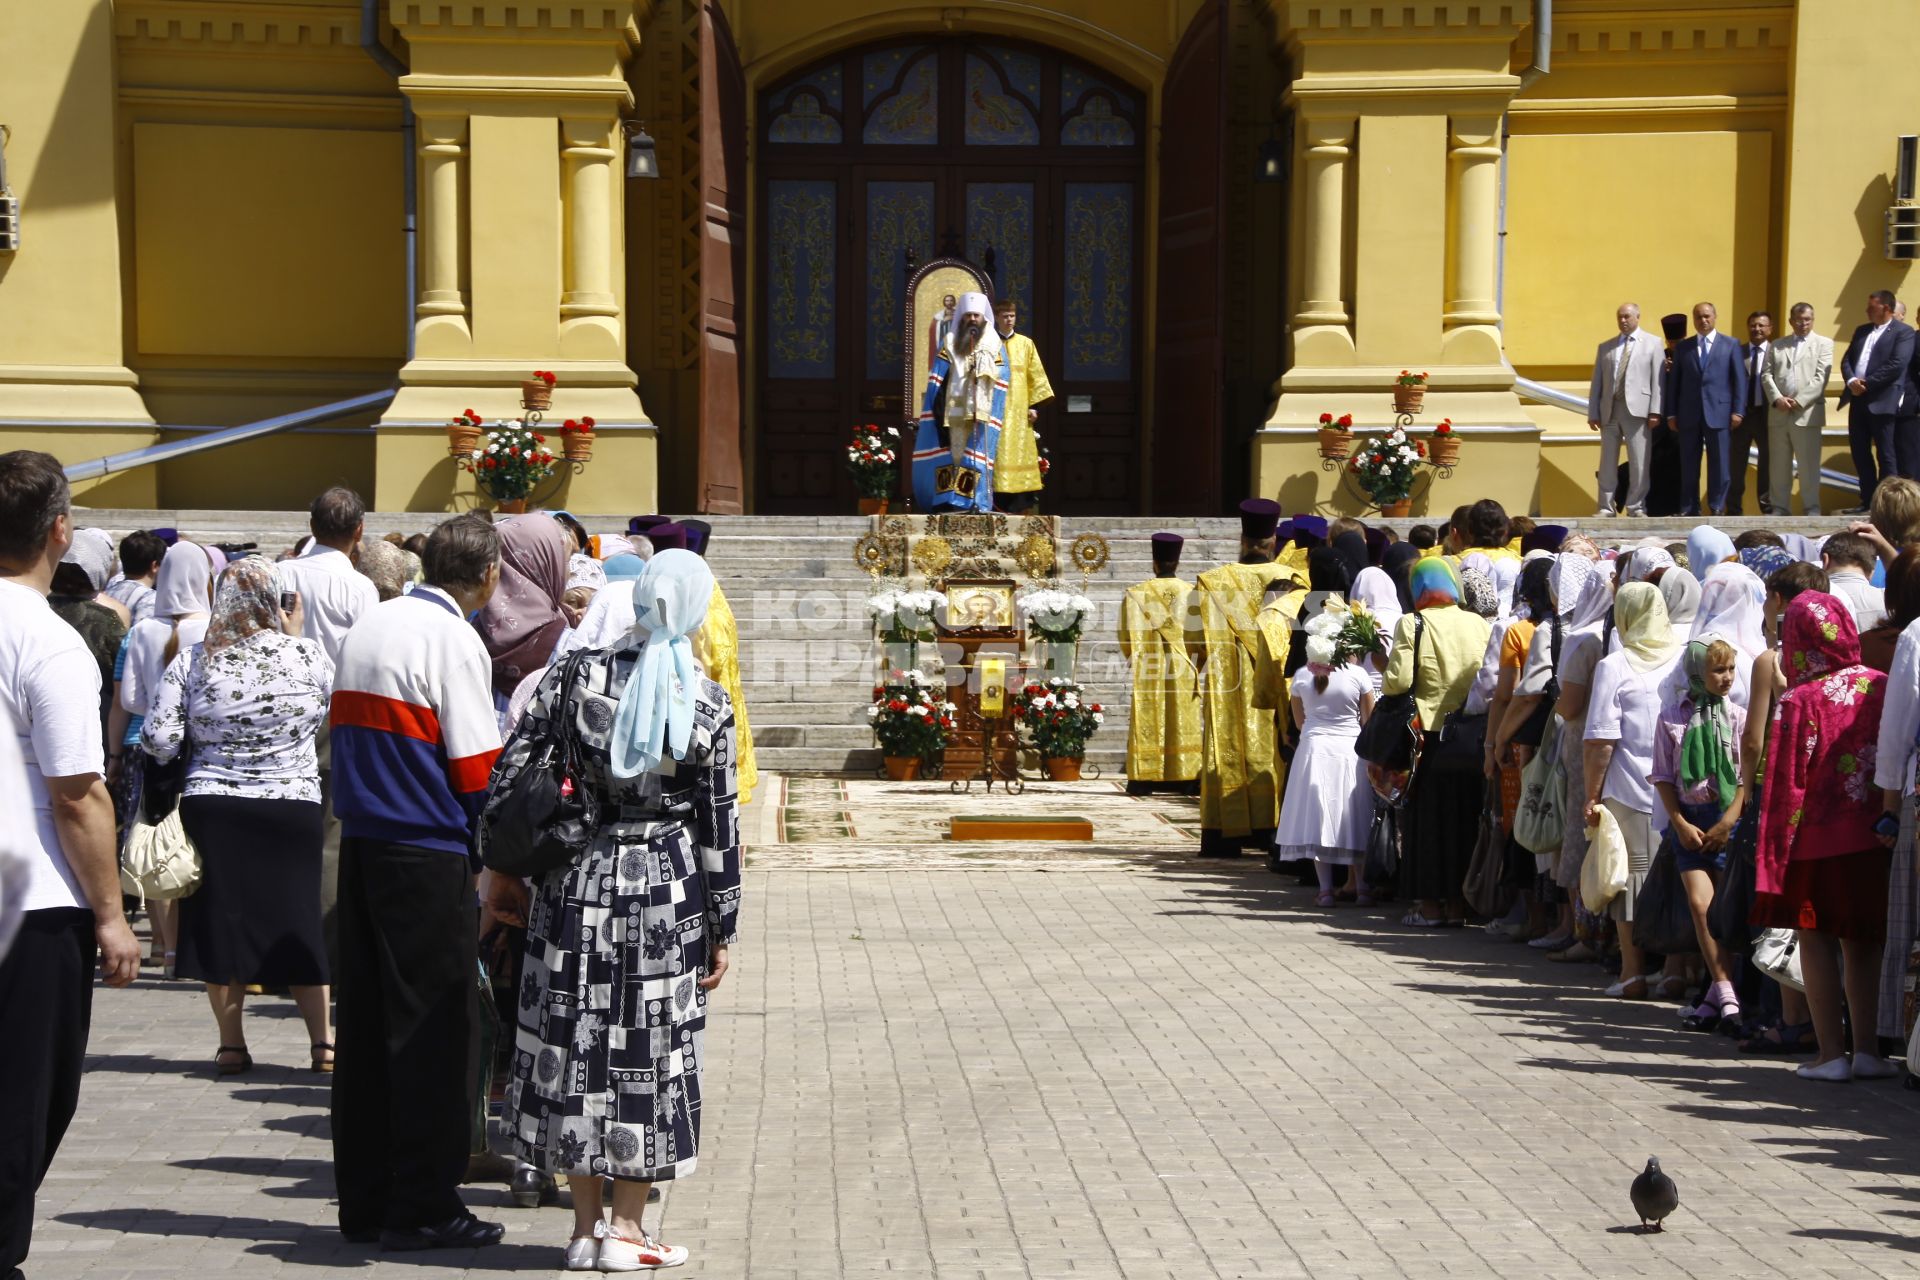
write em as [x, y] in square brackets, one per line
[1221, 219]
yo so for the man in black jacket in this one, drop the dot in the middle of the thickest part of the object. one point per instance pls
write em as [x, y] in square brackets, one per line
[1875, 371]
[1906, 426]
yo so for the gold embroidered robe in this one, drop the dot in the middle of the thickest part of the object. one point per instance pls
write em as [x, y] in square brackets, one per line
[1240, 773]
[716, 646]
[1163, 729]
[1017, 468]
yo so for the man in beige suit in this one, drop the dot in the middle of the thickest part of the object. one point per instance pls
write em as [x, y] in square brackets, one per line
[1623, 405]
[1796, 390]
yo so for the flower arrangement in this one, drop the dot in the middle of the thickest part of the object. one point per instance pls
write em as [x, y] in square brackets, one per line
[1057, 616]
[1385, 467]
[905, 615]
[1336, 435]
[909, 720]
[870, 457]
[1343, 423]
[1342, 632]
[576, 439]
[537, 391]
[1057, 718]
[512, 462]
[1446, 445]
[1410, 379]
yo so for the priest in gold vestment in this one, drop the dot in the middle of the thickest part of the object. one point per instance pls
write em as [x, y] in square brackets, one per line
[1017, 479]
[716, 646]
[1163, 730]
[1240, 773]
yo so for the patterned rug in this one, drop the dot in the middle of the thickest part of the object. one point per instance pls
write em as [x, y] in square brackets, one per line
[838, 823]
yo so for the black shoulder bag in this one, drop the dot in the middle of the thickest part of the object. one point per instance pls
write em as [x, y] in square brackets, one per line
[1534, 731]
[539, 816]
[1390, 734]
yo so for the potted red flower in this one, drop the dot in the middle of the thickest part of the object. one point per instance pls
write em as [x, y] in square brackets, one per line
[872, 460]
[463, 433]
[537, 392]
[1446, 445]
[576, 439]
[1409, 392]
[913, 724]
[1336, 435]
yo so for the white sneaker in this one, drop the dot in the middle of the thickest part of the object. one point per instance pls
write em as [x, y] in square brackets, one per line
[583, 1254]
[1868, 1067]
[618, 1253]
[1838, 1071]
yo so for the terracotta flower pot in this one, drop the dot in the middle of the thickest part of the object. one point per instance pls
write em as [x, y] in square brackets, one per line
[1063, 769]
[902, 768]
[462, 440]
[873, 506]
[1335, 443]
[1408, 399]
[577, 446]
[536, 395]
[510, 506]
[1397, 510]
[1444, 450]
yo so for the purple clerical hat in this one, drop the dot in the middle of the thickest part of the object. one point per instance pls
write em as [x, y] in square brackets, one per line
[1259, 517]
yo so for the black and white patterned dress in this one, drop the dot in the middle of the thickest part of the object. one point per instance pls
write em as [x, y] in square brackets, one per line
[606, 1072]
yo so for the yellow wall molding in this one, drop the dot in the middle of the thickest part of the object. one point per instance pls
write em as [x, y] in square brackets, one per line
[107, 375]
[515, 20]
[1428, 20]
[513, 95]
[332, 24]
[1656, 105]
[156, 102]
[1693, 31]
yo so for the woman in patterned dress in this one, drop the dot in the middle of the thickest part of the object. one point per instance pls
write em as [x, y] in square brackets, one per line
[624, 945]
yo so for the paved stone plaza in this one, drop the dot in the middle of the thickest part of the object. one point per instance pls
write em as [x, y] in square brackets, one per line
[1086, 1061]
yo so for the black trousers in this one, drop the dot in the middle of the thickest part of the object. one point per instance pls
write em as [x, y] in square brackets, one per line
[1906, 445]
[402, 1090]
[1867, 432]
[1749, 435]
[46, 1002]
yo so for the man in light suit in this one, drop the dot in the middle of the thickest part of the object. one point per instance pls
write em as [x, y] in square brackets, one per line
[1752, 430]
[1795, 385]
[1705, 395]
[1623, 405]
[1875, 372]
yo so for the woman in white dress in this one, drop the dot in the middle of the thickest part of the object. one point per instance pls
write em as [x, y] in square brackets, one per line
[1329, 806]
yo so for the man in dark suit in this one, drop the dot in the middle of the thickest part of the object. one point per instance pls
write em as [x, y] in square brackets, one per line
[1705, 400]
[1752, 431]
[1906, 428]
[1875, 371]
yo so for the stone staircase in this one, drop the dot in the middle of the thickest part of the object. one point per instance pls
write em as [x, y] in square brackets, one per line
[807, 655]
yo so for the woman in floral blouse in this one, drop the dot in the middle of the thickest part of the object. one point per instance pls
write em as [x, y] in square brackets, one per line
[245, 704]
[1821, 868]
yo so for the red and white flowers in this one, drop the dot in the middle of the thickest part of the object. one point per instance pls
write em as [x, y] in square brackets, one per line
[1057, 717]
[872, 456]
[1385, 467]
[909, 718]
[511, 461]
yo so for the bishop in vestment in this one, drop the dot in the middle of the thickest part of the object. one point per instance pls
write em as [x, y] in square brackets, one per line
[1163, 731]
[716, 647]
[1017, 478]
[965, 405]
[1240, 774]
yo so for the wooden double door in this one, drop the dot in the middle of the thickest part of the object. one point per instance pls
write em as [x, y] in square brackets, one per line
[1046, 201]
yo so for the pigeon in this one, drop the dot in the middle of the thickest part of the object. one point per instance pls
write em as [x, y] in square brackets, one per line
[1654, 1196]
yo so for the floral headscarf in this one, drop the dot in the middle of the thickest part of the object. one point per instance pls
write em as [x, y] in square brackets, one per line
[246, 602]
[1478, 593]
[1582, 594]
[1706, 747]
[1432, 583]
[1640, 622]
[1645, 562]
[1817, 637]
[1766, 560]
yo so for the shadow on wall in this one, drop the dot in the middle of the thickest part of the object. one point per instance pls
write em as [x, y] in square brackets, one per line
[55, 181]
[1871, 270]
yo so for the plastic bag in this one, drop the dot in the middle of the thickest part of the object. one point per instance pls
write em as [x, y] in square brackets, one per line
[1776, 953]
[1383, 845]
[1484, 887]
[1540, 824]
[1603, 876]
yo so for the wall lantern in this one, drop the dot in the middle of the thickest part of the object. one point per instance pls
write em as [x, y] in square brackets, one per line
[1275, 161]
[643, 161]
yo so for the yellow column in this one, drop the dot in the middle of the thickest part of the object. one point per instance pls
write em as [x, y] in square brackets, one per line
[1472, 317]
[1320, 326]
[440, 315]
[588, 308]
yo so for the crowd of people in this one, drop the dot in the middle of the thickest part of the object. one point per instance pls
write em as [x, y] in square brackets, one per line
[318, 747]
[1495, 718]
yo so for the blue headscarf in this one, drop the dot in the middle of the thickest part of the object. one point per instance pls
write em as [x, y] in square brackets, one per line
[1707, 547]
[655, 717]
[623, 567]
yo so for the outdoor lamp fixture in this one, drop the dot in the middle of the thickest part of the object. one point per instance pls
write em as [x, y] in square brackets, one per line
[1273, 162]
[9, 203]
[643, 161]
[1903, 218]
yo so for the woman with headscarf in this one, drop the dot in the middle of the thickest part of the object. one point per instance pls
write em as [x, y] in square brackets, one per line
[1437, 648]
[1733, 607]
[1680, 591]
[606, 1081]
[523, 621]
[1825, 834]
[1706, 548]
[1328, 806]
[1621, 715]
[182, 596]
[246, 704]
[1373, 591]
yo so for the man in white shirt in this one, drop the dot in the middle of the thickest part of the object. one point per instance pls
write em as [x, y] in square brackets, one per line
[1875, 372]
[1623, 405]
[334, 595]
[1798, 366]
[1848, 559]
[71, 914]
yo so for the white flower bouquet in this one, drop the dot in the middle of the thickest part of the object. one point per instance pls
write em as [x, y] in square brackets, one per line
[1059, 616]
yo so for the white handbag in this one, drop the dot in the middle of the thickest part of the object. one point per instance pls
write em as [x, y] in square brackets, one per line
[160, 860]
[1603, 876]
[1776, 953]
